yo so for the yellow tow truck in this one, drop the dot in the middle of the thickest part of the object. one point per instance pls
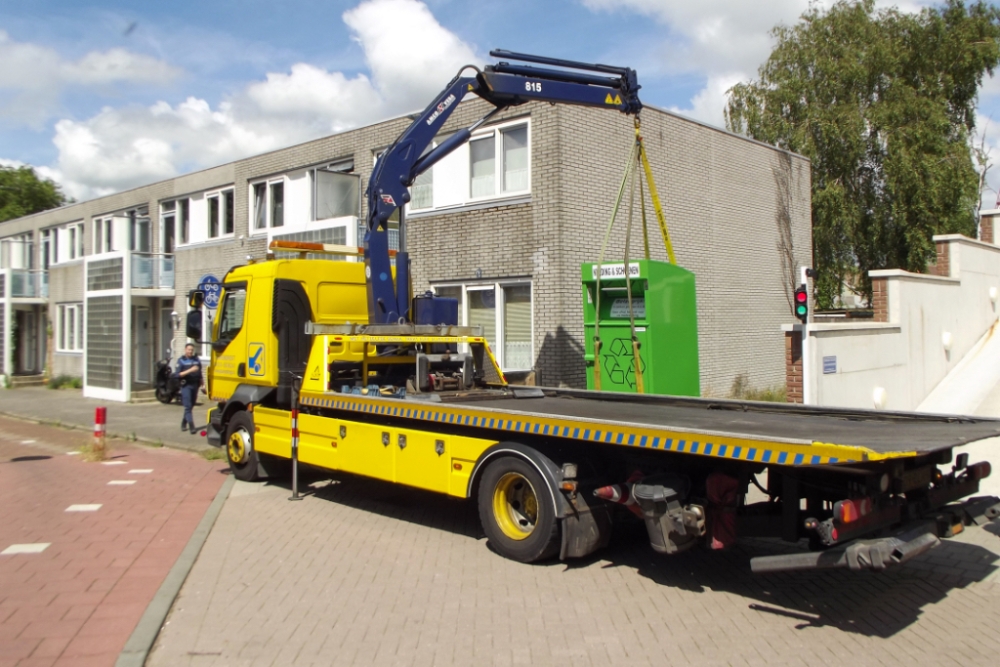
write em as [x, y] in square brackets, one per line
[326, 363]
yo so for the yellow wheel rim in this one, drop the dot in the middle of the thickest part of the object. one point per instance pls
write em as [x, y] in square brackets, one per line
[238, 446]
[515, 506]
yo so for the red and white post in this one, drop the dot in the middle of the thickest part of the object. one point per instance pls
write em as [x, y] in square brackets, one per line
[100, 431]
[295, 444]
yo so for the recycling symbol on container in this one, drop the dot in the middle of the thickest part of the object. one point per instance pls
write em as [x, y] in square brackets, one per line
[619, 363]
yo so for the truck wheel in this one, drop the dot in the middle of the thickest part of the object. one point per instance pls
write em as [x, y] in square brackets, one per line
[239, 447]
[516, 511]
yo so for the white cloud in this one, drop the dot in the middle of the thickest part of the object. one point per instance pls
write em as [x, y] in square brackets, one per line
[708, 104]
[411, 57]
[32, 77]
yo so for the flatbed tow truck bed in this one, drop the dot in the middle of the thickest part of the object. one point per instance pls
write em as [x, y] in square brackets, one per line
[768, 433]
[864, 487]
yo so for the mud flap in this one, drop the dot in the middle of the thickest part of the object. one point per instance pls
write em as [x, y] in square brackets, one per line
[585, 529]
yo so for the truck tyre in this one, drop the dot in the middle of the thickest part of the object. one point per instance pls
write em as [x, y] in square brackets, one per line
[239, 447]
[516, 511]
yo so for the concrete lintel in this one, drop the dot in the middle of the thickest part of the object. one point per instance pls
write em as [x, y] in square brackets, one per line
[900, 274]
[819, 327]
[961, 238]
[881, 327]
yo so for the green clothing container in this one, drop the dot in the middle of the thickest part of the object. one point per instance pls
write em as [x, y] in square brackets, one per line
[666, 323]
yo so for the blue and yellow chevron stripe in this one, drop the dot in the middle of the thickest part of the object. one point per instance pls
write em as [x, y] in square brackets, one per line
[735, 447]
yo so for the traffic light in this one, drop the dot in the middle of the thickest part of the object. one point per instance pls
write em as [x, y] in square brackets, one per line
[802, 303]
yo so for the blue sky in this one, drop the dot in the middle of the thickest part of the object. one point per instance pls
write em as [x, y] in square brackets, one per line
[106, 95]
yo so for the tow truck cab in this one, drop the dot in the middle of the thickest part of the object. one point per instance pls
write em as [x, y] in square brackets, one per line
[255, 358]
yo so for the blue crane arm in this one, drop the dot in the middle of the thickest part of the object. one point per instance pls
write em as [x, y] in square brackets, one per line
[503, 85]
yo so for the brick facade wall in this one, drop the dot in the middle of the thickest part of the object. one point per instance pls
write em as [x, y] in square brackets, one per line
[793, 366]
[880, 299]
[734, 208]
[942, 260]
[986, 229]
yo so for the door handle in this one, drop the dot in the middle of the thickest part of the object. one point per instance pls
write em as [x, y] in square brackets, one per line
[241, 370]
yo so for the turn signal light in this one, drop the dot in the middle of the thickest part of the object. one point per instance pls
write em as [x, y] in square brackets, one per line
[847, 511]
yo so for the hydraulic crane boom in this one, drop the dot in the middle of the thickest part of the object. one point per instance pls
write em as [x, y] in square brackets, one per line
[503, 85]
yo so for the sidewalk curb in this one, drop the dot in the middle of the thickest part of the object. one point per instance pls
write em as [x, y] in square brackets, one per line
[127, 437]
[141, 641]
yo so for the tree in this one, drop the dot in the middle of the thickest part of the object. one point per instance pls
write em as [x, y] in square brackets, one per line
[883, 104]
[23, 192]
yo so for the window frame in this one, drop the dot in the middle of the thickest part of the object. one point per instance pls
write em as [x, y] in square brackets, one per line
[69, 312]
[497, 132]
[268, 185]
[71, 250]
[344, 168]
[500, 299]
[137, 219]
[229, 293]
[103, 236]
[226, 198]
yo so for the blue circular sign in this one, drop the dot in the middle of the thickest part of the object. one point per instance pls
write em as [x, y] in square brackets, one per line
[210, 285]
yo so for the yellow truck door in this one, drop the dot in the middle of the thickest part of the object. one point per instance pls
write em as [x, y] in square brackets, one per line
[240, 350]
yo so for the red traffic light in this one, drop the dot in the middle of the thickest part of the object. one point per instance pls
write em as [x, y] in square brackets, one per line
[802, 303]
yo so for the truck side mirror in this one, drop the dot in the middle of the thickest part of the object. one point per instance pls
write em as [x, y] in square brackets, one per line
[195, 299]
[194, 325]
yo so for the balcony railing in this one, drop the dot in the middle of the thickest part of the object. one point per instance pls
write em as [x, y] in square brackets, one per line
[152, 271]
[29, 284]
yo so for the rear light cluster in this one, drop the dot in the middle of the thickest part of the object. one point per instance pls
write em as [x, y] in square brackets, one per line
[849, 511]
[980, 470]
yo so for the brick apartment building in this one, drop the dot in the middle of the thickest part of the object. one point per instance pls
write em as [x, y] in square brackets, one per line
[503, 223]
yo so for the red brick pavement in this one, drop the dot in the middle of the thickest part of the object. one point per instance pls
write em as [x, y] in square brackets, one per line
[77, 602]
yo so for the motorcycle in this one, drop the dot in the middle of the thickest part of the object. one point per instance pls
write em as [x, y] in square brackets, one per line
[167, 385]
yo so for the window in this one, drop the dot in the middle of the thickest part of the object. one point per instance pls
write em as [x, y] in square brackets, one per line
[183, 219]
[139, 238]
[510, 172]
[515, 159]
[168, 225]
[103, 235]
[268, 204]
[174, 222]
[482, 168]
[48, 247]
[74, 245]
[229, 213]
[277, 191]
[62, 245]
[335, 192]
[231, 320]
[69, 327]
[422, 191]
[213, 217]
[220, 214]
[260, 206]
[504, 312]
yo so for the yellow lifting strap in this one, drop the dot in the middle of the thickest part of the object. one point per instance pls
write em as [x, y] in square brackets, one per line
[638, 154]
[660, 218]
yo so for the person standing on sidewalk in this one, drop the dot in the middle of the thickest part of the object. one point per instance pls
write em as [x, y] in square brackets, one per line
[189, 372]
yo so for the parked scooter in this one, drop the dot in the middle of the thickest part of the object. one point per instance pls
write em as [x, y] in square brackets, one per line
[168, 385]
